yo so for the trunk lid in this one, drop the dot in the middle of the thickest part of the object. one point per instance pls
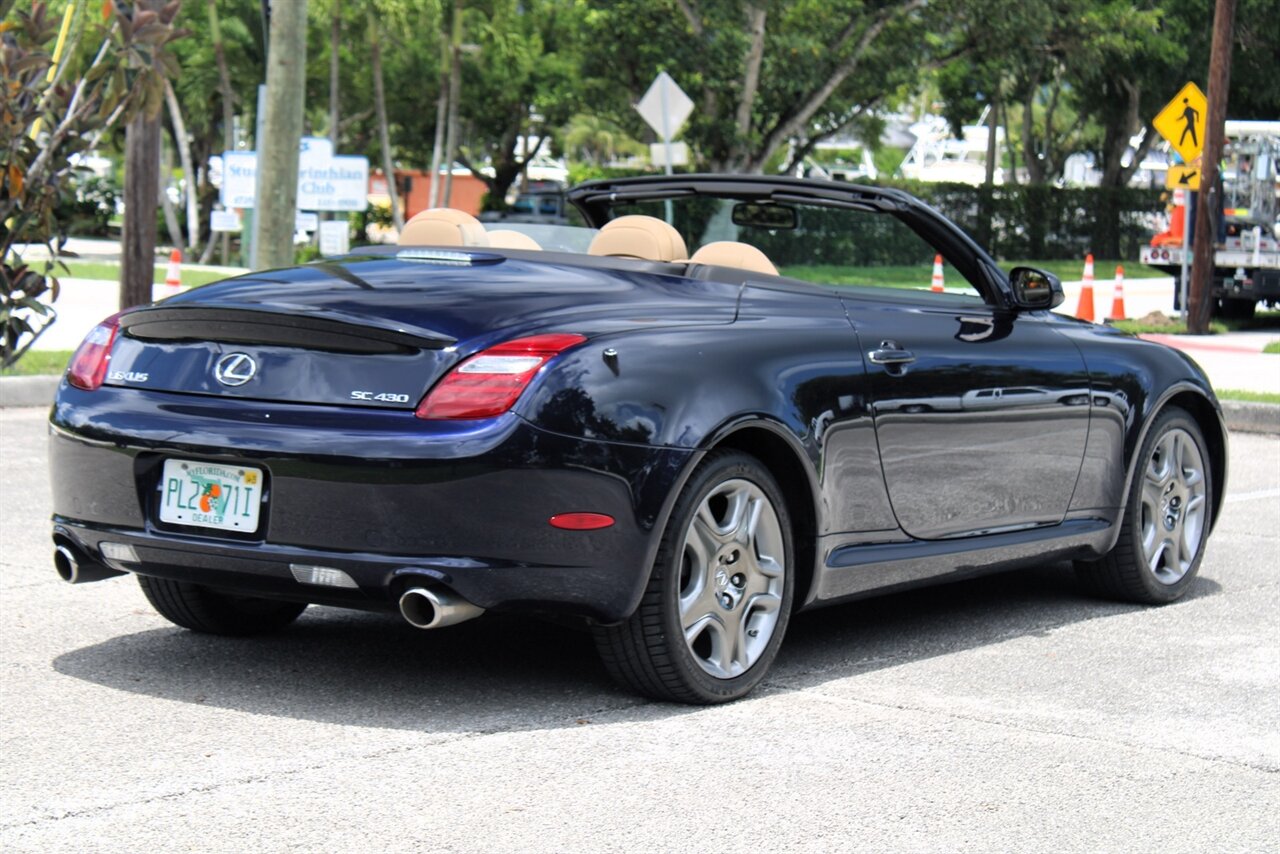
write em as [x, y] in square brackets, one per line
[379, 330]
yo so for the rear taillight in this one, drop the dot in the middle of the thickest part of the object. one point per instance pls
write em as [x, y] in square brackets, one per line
[490, 382]
[88, 367]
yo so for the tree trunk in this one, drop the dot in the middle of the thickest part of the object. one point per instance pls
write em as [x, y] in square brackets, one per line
[814, 100]
[1116, 133]
[1035, 167]
[1011, 177]
[162, 198]
[751, 71]
[335, 40]
[993, 151]
[141, 186]
[228, 103]
[384, 132]
[183, 145]
[455, 94]
[277, 190]
[442, 118]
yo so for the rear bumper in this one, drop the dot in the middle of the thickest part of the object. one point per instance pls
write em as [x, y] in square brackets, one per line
[382, 496]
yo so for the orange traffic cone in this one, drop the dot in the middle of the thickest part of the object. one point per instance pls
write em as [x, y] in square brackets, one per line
[936, 285]
[173, 278]
[1084, 310]
[1117, 301]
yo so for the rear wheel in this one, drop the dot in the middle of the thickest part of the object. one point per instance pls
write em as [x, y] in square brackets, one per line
[195, 607]
[719, 597]
[1166, 521]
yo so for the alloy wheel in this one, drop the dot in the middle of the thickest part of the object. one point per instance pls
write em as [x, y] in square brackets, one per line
[732, 578]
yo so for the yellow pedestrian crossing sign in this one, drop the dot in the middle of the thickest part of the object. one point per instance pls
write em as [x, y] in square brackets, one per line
[1183, 177]
[1182, 121]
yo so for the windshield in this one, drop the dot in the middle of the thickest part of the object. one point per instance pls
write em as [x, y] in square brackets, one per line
[823, 244]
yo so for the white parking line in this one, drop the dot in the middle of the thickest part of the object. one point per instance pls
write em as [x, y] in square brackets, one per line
[1253, 496]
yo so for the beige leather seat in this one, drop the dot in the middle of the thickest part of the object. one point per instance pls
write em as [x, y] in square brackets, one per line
[505, 238]
[727, 253]
[644, 237]
[443, 227]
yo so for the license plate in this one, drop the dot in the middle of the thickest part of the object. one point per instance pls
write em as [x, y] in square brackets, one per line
[208, 495]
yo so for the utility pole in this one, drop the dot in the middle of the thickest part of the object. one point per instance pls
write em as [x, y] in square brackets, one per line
[141, 190]
[276, 200]
[1209, 205]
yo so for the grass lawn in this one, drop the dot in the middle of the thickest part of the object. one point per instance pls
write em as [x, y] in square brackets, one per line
[39, 362]
[1170, 326]
[920, 276]
[109, 272]
[881, 277]
[1072, 270]
[1248, 396]
[1273, 347]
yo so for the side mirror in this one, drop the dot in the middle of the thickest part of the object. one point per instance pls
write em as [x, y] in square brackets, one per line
[1035, 289]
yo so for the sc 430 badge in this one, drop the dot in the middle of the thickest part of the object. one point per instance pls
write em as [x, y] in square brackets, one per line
[382, 397]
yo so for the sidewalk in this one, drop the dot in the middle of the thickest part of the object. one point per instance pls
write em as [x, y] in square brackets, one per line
[1231, 359]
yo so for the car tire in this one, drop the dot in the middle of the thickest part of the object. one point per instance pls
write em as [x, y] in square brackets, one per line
[201, 609]
[1166, 519]
[719, 596]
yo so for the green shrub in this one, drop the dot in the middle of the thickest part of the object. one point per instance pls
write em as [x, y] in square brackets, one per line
[1038, 221]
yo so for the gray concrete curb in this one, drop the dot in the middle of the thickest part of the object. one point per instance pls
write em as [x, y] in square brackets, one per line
[1242, 417]
[1245, 417]
[28, 391]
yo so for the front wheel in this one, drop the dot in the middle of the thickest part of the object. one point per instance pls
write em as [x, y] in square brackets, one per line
[719, 597]
[1166, 520]
[195, 607]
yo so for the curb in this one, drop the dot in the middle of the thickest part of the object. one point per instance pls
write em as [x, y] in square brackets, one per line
[28, 391]
[1246, 417]
[1241, 416]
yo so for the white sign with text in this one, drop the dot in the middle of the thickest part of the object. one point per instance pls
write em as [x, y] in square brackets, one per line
[326, 182]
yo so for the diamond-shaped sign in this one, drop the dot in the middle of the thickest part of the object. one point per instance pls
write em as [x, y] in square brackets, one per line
[665, 106]
[1182, 122]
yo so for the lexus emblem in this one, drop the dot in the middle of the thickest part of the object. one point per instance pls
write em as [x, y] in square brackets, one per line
[235, 369]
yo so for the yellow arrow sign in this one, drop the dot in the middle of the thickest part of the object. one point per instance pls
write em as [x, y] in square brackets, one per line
[1183, 178]
[1182, 121]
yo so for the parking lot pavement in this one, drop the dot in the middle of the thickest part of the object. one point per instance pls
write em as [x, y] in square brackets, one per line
[1001, 713]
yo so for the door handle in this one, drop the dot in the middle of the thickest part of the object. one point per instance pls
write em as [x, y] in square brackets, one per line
[889, 353]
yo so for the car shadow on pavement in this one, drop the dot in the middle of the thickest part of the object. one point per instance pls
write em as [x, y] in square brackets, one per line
[504, 673]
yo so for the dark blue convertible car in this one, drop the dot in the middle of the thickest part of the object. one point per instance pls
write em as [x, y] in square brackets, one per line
[665, 421]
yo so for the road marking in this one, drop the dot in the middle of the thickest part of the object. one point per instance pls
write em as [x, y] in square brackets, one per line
[1253, 496]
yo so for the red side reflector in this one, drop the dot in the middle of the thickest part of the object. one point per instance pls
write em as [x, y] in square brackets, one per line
[88, 367]
[581, 521]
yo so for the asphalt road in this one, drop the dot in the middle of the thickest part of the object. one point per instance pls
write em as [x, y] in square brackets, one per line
[996, 714]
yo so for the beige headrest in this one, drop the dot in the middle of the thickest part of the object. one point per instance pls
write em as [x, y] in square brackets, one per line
[443, 227]
[643, 237]
[727, 253]
[505, 238]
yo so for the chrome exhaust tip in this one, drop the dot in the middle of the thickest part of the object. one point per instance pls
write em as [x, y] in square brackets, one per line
[65, 562]
[427, 608]
[75, 569]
